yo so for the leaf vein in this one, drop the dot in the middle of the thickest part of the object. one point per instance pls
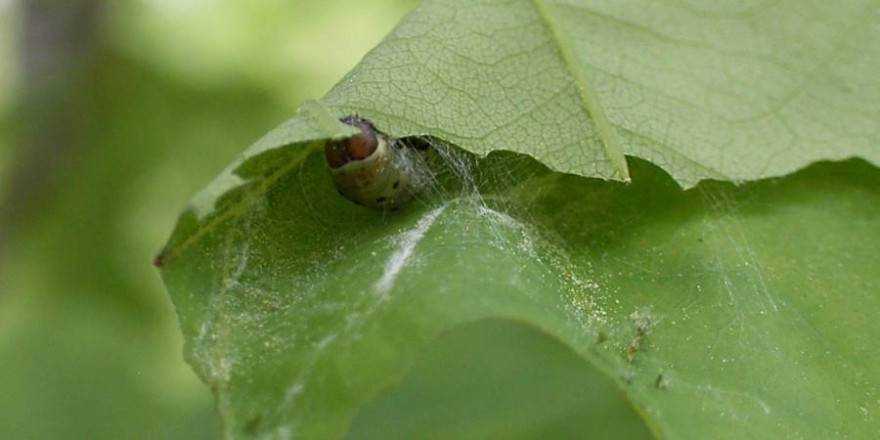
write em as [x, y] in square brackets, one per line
[589, 96]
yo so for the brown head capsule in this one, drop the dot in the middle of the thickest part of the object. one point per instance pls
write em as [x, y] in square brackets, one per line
[359, 147]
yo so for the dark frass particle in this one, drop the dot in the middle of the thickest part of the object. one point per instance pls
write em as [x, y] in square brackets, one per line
[372, 170]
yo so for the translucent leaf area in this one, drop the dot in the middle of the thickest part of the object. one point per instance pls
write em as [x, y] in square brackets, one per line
[742, 306]
[723, 90]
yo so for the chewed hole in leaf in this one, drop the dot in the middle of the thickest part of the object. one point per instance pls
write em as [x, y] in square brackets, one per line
[499, 379]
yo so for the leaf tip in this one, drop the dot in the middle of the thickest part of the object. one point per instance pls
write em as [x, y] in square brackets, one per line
[159, 260]
[328, 124]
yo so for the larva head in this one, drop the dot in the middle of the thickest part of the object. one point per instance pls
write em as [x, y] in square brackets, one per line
[358, 147]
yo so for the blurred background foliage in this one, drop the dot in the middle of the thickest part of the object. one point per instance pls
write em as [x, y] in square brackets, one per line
[113, 114]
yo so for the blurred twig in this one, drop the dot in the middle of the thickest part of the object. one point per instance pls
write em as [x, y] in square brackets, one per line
[57, 36]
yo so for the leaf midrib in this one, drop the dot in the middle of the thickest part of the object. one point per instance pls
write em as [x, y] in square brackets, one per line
[587, 93]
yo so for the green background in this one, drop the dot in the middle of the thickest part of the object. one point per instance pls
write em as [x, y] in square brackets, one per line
[112, 115]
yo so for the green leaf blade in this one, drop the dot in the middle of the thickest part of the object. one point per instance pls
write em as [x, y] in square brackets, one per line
[705, 94]
[679, 297]
[710, 305]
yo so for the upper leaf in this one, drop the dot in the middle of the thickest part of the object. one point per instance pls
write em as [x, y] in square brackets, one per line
[737, 91]
[726, 92]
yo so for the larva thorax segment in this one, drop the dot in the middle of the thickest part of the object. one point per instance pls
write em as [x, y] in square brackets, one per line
[372, 170]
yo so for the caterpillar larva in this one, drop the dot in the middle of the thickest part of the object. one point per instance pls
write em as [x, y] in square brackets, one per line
[373, 170]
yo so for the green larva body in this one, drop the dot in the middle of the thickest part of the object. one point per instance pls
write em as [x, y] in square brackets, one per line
[386, 179]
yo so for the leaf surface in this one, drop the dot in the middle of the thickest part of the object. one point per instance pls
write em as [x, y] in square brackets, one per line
[748, 308]
[736, 91]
